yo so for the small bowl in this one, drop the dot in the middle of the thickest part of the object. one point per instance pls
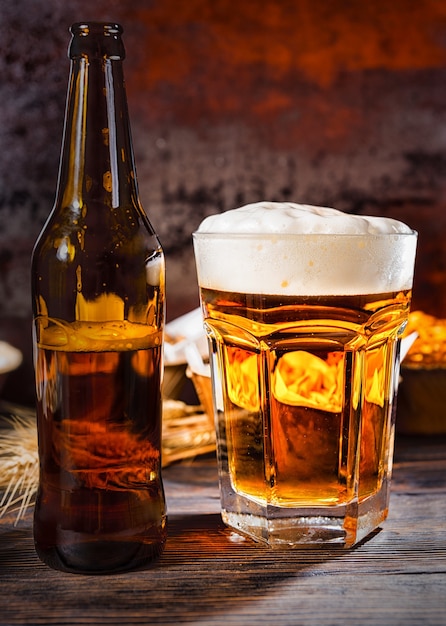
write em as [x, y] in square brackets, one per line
[421, 405]
[10, 359]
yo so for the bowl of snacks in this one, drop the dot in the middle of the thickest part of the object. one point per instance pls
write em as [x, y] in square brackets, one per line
[421, 407]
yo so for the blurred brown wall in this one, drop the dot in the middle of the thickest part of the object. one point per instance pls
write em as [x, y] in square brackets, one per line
[335, 102]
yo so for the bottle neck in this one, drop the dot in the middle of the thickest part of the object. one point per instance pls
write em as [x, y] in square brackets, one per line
[97, 163]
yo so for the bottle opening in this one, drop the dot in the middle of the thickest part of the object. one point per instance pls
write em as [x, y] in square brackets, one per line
[105, 28]
[96, 40]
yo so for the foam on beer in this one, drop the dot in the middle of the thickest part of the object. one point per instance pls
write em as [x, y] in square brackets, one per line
[293, 249]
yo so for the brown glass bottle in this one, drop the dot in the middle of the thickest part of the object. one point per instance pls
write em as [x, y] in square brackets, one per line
[98, 304]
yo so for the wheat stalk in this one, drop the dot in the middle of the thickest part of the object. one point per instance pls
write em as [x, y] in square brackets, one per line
[186, 433]
[19, 464]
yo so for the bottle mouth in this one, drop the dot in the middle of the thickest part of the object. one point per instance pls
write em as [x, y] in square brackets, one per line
[96, 40]
[105, 28]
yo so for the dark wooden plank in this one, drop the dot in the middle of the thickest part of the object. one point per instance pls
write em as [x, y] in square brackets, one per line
[210, 575]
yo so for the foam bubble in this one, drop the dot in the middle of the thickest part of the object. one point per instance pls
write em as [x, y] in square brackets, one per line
[292, 249]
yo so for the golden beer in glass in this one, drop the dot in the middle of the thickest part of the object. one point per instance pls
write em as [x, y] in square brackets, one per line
[304, 333]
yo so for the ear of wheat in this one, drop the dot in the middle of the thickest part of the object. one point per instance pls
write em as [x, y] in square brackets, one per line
[19, 463]
[187, 432]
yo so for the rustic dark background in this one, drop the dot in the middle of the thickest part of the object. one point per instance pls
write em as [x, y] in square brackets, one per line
[335, 102]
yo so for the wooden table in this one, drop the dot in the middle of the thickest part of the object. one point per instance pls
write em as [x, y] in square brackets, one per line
[210, 575]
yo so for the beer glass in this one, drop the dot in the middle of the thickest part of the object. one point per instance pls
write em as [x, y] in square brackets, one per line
[304, 334]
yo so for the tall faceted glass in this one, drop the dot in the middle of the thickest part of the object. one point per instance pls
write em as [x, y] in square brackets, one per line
[304, 337]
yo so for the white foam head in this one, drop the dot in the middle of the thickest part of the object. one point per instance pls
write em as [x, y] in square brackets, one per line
[292, 249]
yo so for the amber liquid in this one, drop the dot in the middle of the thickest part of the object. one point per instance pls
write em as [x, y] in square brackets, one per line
[304, 389]
[100, 505]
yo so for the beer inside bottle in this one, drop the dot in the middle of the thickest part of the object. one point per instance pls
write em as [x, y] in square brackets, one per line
[98, 303]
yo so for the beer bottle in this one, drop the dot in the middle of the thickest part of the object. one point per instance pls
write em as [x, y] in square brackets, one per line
[98, 316]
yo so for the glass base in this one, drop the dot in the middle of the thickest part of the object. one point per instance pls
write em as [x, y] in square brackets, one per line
[277, 527]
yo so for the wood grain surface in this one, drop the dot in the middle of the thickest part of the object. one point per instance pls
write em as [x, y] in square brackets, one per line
[210, 575]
